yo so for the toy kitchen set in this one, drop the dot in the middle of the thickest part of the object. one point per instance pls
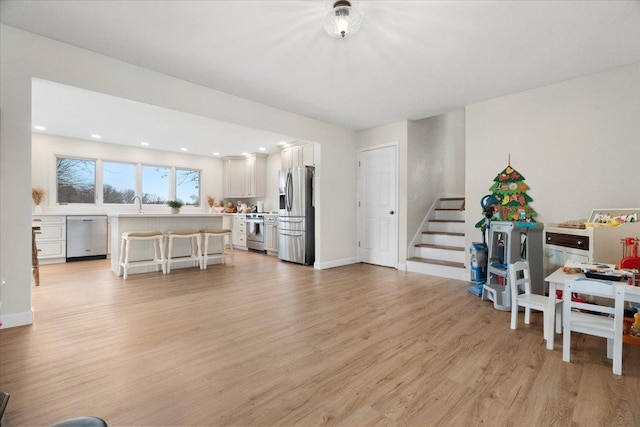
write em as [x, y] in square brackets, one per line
[609, 236]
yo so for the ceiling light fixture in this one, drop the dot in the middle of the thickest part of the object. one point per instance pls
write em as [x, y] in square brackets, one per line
[216, 154]
[262, 149]
[145, 143]
[95, 136]
[343, 20]
[40, 128]
[184, 149]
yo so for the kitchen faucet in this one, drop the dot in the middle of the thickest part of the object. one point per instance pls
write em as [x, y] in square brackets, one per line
[139, 203]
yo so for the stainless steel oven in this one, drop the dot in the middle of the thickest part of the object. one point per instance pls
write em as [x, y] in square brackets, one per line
[255, 232]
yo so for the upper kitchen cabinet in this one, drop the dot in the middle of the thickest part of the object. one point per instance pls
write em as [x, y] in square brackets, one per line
[299, 155]
[245, 176]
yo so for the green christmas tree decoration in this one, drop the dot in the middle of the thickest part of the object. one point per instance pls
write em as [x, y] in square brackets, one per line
[510, 189]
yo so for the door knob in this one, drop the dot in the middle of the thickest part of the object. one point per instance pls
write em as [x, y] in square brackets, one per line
[391, 212]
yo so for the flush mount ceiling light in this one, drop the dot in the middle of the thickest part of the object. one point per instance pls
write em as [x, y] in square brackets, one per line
[343, 20]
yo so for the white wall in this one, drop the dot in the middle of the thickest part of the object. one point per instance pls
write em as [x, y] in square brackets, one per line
[24, 56]
[577, 143]
[46, 147]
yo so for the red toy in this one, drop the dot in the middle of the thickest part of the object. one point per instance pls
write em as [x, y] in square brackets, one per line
[630, 261]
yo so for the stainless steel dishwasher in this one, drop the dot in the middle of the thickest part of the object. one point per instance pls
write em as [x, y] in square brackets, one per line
[86, 237]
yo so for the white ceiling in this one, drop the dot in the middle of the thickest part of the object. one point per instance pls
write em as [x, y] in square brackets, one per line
[121, 121]
[410, 60]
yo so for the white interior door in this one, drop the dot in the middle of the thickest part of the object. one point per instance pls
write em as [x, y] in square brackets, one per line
[377, 217]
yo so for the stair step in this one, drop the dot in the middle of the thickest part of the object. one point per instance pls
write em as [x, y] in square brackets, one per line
[444, 233]
[437, 262]
[447, 220]
[448, 215]
[452, 203]
[448, 209]
[445, 247]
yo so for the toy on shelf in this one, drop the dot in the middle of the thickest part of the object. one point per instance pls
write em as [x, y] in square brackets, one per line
[630, 259]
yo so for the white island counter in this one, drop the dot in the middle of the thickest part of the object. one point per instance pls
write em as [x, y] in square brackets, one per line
[123, 222]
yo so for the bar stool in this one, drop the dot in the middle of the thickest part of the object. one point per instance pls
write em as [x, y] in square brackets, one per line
[214, 233]
[155, 237]
[193, 236]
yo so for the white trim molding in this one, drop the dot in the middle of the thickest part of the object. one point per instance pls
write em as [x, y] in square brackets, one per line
[334, 263]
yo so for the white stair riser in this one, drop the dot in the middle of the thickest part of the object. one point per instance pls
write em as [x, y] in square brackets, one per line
[450, 215]
[437, 270]
[443, 239]
[441, 254]
[451, 227]
[451, 204]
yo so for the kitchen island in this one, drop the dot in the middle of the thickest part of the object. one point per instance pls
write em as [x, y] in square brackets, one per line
[123, 222]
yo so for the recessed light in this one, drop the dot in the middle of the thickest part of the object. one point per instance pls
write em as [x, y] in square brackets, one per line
[262, 149]
[245, 154]
[96, 136]
[145, 143]
[40, 128]
[184, 149]
[282, 143]
[216, 154]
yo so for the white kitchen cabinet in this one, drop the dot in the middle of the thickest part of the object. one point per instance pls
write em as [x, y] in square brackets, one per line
[296, 156]
[245, 176]
[271, 233]
[239, 232]
[307, 155]
[52, 239]
[236, 178]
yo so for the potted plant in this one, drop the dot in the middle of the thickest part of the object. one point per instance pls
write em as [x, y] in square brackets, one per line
[175, 206]
[211, 201]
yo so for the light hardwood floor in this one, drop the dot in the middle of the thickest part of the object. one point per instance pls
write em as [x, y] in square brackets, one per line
[272, 343]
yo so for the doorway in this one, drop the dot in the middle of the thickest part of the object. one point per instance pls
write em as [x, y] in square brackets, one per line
[377, 206]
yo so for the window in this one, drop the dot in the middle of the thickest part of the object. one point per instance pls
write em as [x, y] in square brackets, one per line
[75, 180]
[155, 185]
[118, 182]
[188, 186]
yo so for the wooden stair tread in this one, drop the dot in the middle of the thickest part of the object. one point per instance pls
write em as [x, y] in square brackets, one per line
[444, 233]
[448, 248]
[449, 209]
[446, 220]
[450, 199]
[437, 262]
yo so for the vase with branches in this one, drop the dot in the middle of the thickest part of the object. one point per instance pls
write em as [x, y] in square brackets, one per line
[37, 194]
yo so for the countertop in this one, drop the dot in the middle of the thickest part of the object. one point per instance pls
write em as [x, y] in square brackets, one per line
[163, 215]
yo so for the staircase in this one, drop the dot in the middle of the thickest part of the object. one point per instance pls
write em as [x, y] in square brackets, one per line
[439, 250]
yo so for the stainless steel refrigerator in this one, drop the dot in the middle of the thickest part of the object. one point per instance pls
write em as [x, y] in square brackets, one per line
[296, 215]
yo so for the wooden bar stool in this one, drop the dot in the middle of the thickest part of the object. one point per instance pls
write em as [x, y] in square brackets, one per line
[35, 264]
[194, 237]
[216, 233]
[157, 239]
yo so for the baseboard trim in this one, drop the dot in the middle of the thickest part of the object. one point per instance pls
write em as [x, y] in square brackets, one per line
[402, 267]
[334, 263]
[16, 319]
